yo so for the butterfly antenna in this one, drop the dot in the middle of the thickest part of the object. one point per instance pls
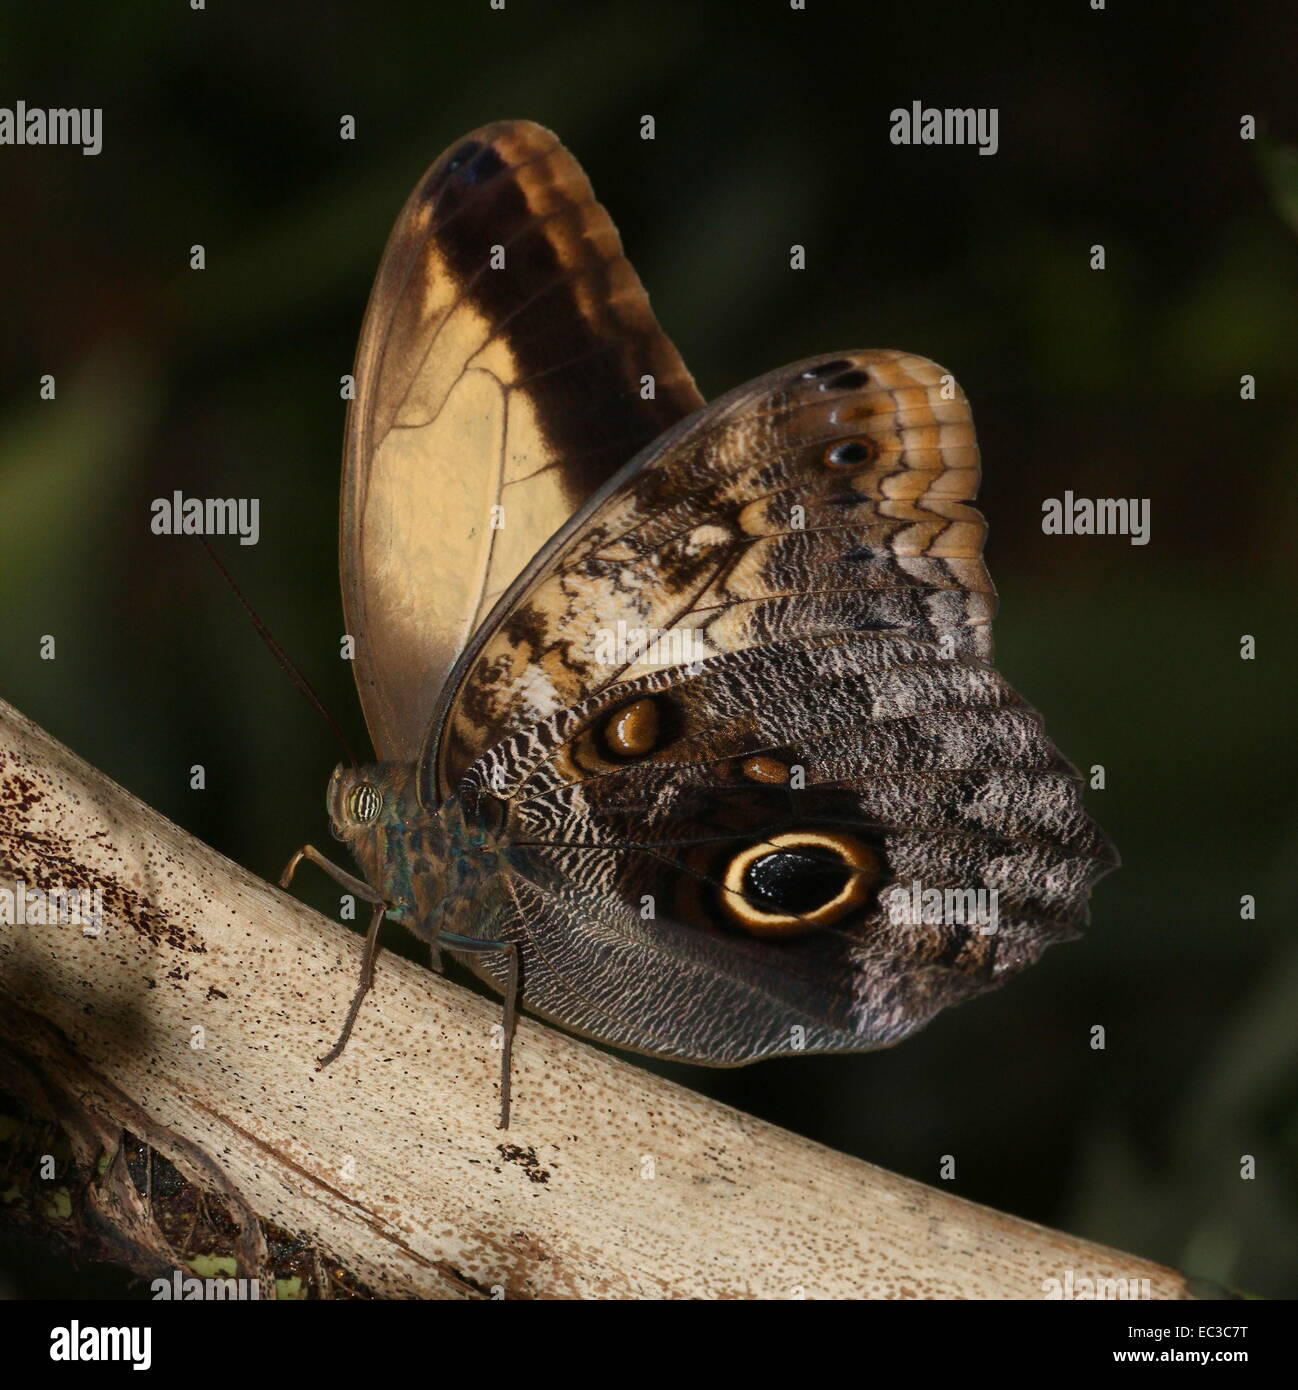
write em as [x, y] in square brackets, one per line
[280, 654]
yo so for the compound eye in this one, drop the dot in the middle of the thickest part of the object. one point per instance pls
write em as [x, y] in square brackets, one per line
[364, 803]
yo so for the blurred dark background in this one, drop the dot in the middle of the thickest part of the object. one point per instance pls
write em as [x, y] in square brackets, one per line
[222, 127]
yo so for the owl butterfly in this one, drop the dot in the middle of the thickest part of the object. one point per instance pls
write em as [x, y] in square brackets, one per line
[681, 710]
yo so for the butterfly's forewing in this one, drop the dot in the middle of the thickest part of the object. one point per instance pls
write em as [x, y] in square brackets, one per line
[702, 859]
[508, 365]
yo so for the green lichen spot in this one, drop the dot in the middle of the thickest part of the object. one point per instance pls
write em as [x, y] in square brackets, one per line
[59, 1204]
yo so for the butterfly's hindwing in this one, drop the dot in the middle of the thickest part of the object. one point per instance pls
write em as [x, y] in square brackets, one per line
[850, 766]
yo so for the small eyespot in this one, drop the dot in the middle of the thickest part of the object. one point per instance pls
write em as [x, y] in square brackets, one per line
[826, 369]
[472, 163]
[364, 803]
[760, 768]
[849, 453]
[849, 381]
[633, 730]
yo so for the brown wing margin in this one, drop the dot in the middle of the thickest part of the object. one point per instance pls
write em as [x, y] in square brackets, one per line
[500, 381]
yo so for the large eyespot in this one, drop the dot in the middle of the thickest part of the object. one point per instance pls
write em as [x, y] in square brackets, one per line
[364, 803]
[798, 881]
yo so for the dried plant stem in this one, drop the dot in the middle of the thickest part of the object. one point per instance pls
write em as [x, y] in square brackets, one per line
[193, 1021]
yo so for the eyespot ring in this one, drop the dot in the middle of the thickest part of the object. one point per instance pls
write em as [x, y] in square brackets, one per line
[860, 868]
[364, 802]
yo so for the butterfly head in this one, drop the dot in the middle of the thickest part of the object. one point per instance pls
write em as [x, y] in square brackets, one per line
[429, 865]
[360, 797]
[371, 810]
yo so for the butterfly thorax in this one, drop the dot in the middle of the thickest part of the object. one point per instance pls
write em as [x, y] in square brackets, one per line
[429, 865]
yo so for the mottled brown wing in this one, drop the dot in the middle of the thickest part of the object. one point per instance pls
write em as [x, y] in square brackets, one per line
[740, 860]
[508, 365]
[832, 495]
[736, 730]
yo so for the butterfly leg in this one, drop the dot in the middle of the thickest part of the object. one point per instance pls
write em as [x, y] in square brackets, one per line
[362, 987]
[350, 882]
[469, 945]
[367, 894]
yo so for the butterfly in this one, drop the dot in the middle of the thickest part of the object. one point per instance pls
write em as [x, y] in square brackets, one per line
[687, 733]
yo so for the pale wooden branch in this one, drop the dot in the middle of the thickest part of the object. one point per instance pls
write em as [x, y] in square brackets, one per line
[194, 1020]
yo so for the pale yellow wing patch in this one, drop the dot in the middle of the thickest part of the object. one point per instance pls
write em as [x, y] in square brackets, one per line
[501, 377]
